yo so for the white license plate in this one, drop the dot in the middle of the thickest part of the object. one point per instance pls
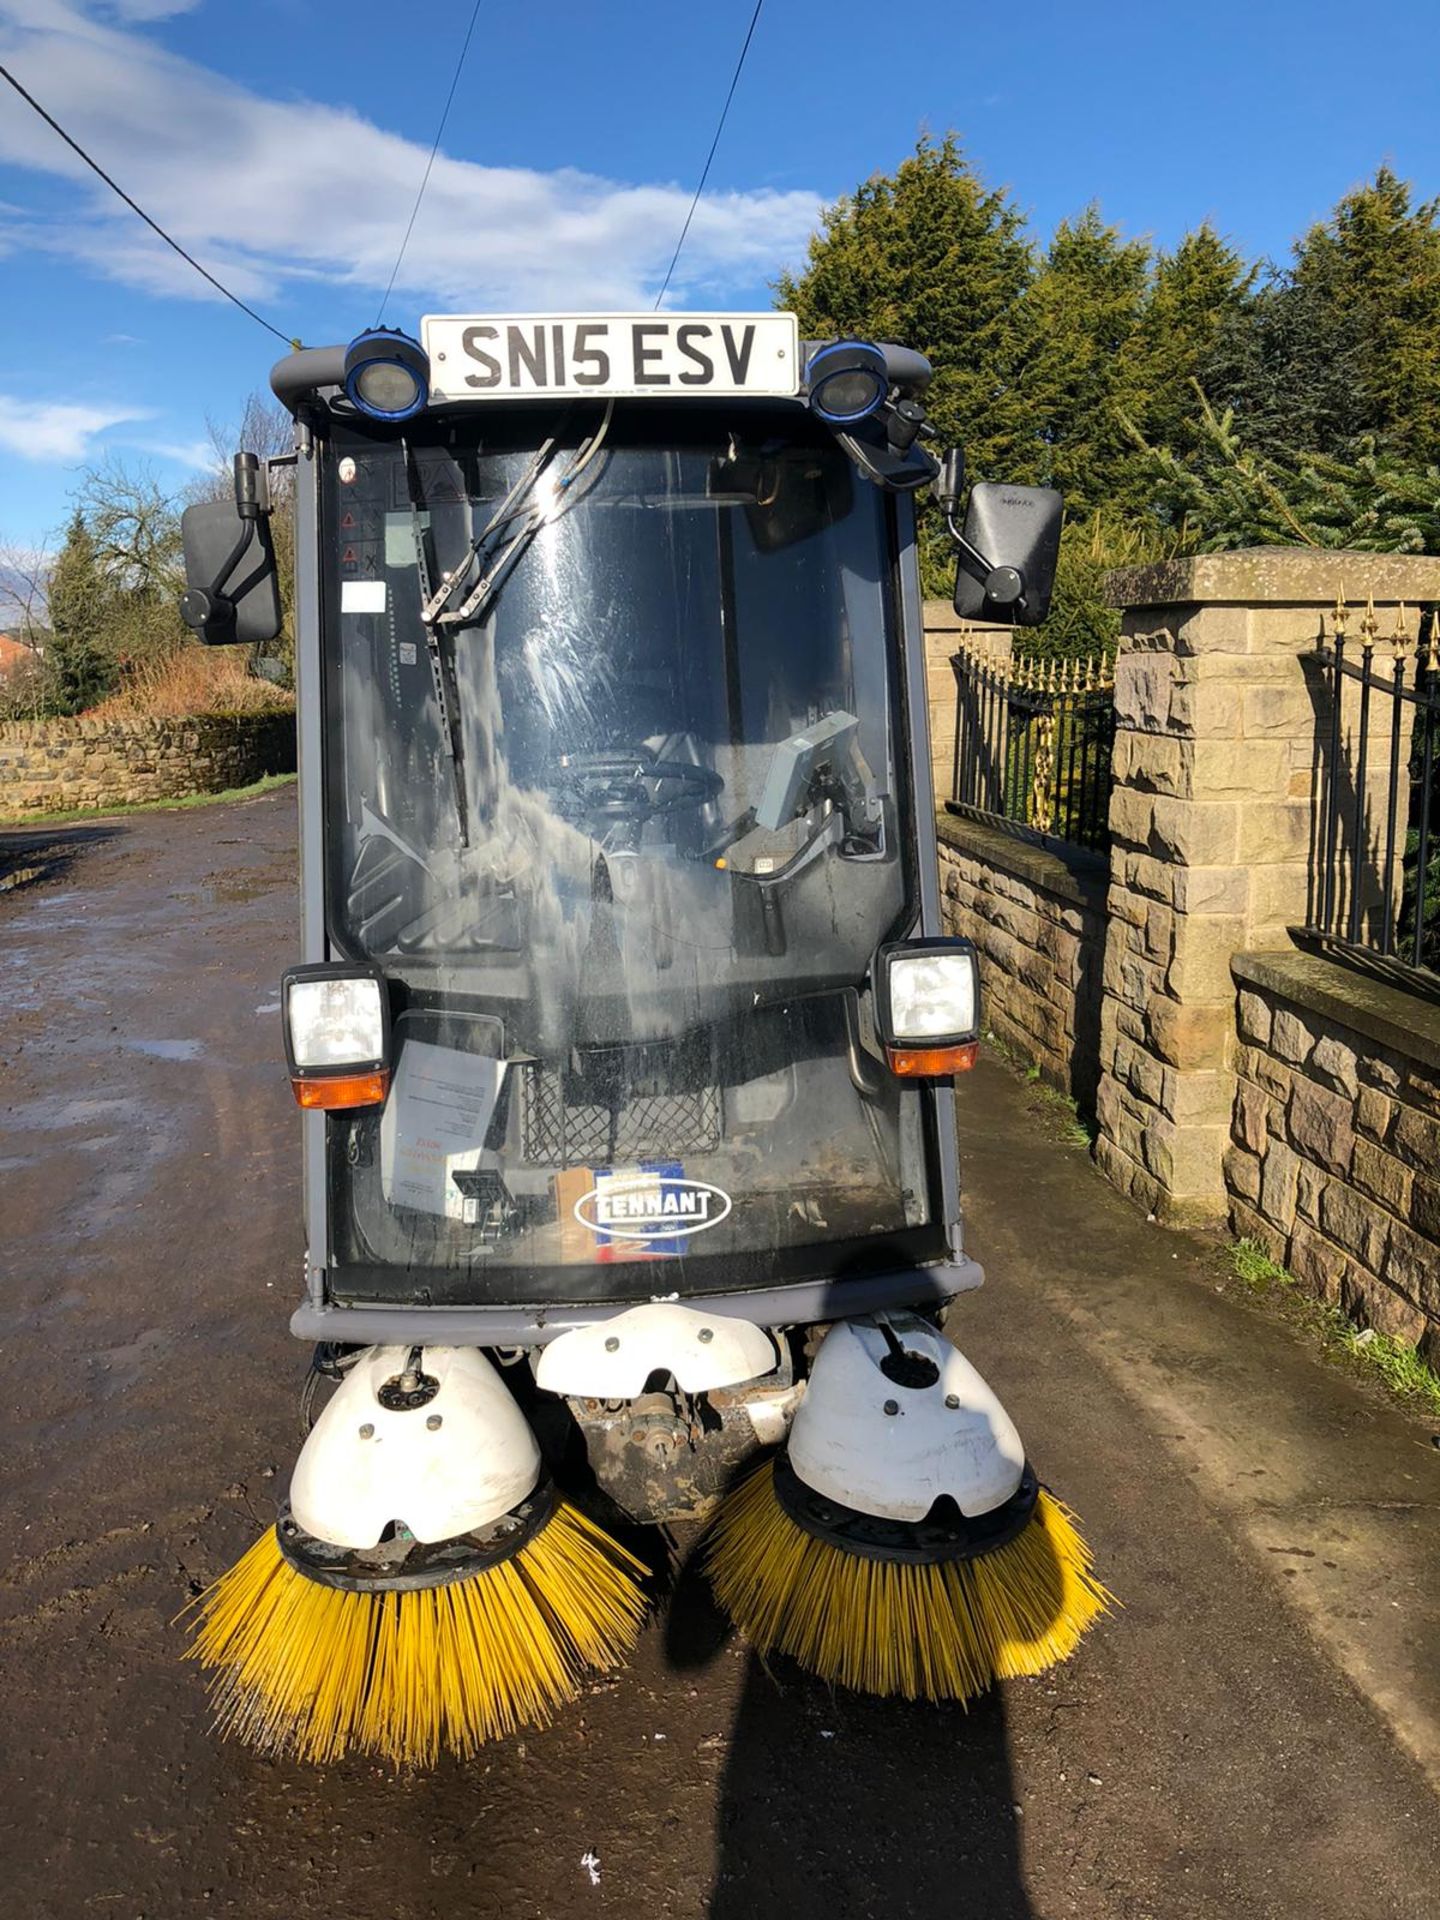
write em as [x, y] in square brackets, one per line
[502, 357]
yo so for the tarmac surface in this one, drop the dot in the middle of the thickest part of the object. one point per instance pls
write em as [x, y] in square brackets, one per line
[1251, 1736]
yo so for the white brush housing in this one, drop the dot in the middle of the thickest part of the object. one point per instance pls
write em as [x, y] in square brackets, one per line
[950, 1437]
[457, 1462]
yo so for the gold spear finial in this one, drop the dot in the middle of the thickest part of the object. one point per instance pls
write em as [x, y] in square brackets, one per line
[1342, 613]
[1402, 634]
[1369, 626]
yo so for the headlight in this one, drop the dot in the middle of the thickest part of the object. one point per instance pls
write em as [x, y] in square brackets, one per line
[387, 374]
[848, 382]
[927, 1006]
[337, 1036]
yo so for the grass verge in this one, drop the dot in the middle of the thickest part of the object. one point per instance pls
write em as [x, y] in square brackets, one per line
[1397, 1364]
[74, 816]
[1062, 1117]
[1362, 1350]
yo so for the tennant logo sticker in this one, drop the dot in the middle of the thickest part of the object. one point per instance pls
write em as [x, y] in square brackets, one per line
[652, 1208]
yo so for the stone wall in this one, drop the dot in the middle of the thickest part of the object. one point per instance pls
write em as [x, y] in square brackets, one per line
[53, 766]
[1220, 718]
[1313, 1126]
[1334, 1157]
[1038, 919]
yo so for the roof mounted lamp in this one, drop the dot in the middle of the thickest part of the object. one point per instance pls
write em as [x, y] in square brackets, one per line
[870, 397]
[387, 374]
[848, 382]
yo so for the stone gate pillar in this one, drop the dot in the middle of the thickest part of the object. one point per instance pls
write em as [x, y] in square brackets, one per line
[1218, 712]
[947, 633]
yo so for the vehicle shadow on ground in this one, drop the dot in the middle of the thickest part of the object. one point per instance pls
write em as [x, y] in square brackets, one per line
[836, 1806]
[30, 854]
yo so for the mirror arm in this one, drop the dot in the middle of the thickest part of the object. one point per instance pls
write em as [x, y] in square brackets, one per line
[1004, 585]
[979, 566]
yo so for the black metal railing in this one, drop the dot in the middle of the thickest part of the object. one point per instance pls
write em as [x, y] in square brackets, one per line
[1034, 741]
[1375, 888]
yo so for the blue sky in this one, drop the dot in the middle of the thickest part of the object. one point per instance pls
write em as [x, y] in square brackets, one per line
[282, 141]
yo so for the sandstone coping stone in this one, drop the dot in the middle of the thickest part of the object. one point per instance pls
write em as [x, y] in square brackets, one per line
[1069, 873]
[1401, 1022]
[1275, 576]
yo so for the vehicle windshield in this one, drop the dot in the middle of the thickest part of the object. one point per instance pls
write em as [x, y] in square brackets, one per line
[621, 819]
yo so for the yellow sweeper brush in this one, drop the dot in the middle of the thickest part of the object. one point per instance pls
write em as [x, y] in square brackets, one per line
[423, 1591]
[901, 1545]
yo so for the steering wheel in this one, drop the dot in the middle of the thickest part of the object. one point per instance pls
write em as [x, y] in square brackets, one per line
[631, 785]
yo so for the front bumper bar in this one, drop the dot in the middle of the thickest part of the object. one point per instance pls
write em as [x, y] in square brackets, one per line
[799, 1304]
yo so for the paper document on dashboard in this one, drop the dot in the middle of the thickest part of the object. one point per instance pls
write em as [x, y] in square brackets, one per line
[434, 1125]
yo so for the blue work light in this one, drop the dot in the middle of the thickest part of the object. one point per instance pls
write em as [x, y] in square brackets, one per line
[387, 374]
[848, 382]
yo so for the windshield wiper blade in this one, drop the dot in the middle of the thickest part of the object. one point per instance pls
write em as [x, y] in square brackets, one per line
[519, 505]
[442, 664]
[523, 511]
[435, 606]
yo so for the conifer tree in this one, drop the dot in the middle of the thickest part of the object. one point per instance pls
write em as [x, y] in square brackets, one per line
[1195, 293]
[1376, 262]
[932, 257]
[1346, 341]
[1080, 374]
[1289, 366]
[78, 667]
[1232, 495]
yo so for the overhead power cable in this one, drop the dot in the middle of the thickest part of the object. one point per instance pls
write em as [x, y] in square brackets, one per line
[429, 164]
[154, 225]
[705, 173]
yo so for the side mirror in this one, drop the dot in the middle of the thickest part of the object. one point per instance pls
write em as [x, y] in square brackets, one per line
[232, 589]
[1008, 553]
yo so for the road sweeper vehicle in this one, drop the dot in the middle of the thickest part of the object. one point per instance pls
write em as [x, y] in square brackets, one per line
[625, 1029]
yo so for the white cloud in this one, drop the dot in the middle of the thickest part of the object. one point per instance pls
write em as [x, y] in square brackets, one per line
[199, 455]
[268, 192]
[55, 430]
[139, 10]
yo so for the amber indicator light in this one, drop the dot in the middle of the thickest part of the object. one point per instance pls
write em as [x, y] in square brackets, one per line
[932, 1063]
[337, 1090]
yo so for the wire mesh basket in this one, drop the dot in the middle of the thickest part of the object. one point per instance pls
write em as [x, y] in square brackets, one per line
[557, 1132]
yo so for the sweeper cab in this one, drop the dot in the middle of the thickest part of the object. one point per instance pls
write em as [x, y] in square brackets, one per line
[626, 1025]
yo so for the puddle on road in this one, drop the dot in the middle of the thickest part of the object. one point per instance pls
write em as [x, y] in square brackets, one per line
[55, 912]
[43, 1115]
[239, 885]
[168, 1049]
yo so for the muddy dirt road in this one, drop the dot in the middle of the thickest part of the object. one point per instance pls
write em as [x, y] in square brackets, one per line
[1199, 1758]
